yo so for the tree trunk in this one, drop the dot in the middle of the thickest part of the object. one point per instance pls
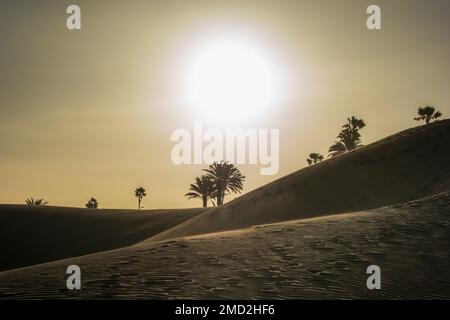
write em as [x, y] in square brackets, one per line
[205, 202]
[219, 197]
[222, 196]
[139, 204]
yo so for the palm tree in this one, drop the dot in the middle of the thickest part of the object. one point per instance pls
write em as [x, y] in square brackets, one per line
[336, 149]
[140, 193]
[427, 113]
[92, 204]
[35, 202]
[227, 178]
[349, 138]
[204, 188]
[314, 158]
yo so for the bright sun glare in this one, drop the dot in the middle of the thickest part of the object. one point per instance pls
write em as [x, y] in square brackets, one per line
[229, 80]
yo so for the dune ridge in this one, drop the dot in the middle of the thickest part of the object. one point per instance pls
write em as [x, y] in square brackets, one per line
[406, 166]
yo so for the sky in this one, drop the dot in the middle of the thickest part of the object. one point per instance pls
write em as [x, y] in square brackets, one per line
[90, 113]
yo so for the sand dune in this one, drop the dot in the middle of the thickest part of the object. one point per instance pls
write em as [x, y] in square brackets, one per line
[408, 165]
[274, 242]
[41, 234]
[311, 259]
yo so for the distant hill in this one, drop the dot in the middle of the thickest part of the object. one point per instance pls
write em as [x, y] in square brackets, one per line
[409, 165]
[32, 235]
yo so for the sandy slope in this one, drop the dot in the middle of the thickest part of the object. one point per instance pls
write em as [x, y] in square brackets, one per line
[316, 258]
[408, 165]
[36, 235]
[248, 263]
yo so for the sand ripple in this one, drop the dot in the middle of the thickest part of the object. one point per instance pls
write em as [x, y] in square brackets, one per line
[322, 258]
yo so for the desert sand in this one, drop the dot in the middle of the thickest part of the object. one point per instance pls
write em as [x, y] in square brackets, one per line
[406, 166]
[306, 259]
[32, 235]
[311, 235]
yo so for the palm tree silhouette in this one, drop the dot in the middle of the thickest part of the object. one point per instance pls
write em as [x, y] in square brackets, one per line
[92, 204]
[427, 113]
[349, 138]
[227, 178]
[35, 202]
[203, 188]
[314, 158]
[140, 193]
[336, 149]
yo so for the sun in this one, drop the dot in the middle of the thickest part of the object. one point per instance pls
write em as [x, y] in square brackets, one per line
[230, 79]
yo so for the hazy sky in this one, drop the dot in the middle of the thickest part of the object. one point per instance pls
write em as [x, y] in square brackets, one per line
[90, 112]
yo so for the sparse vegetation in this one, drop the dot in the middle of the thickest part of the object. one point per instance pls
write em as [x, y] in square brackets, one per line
[314, 158]
[220, 180]
[140, 194]
[349, 138]
[227, 179]
[427, 114]
[203, 188]
[92, 204]
[35, 202]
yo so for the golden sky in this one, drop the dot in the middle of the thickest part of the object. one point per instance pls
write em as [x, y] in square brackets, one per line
[90, 112]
